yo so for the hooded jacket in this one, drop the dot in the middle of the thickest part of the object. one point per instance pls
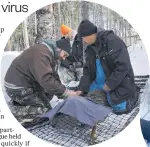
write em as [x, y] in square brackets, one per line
[35, 68]
[114, 57]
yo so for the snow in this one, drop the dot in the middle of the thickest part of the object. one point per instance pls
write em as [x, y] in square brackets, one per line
[140, 64]
[6, 61]
[145, 105]
[139, 59]
[7, 58]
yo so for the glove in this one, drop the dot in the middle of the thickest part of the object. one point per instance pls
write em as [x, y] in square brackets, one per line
[71, 68]
[77, 64]
[69, 93]
[106, 88]
[79, 92]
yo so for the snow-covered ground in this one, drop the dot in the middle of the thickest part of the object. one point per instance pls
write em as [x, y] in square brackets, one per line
[139, 59]
[140, 64]
[5, 63]
[145, 105]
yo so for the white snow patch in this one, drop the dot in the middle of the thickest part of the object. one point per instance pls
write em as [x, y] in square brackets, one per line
[55, 101]
[139, 59]
[145, 105]
[7, 59]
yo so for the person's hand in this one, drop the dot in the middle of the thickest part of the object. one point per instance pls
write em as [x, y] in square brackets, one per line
[71, 68]
[77, 64]
[106, 88]
[72, 93]
[79, 92]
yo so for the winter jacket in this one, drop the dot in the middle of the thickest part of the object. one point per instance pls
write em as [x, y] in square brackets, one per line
[114, 57]
[35, 68]
[77, 53]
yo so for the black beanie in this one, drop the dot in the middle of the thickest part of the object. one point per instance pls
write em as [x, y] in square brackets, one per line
[64, 44]
[86, 28]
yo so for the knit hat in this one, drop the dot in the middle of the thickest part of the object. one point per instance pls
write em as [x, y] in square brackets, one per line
[64, 44]
[86, 28]
[65, 29]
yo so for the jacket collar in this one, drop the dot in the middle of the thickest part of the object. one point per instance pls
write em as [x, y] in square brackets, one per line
[97, 46]
[51, 45]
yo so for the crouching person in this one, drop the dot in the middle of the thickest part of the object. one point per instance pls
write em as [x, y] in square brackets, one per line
[32, 79]
[108, 68]
[72, 66]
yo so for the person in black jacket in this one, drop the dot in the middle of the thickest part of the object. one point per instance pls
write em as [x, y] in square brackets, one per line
[31, 80]
[72, 67]
[108, 68]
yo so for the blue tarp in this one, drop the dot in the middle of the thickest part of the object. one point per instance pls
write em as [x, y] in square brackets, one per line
[84, 110]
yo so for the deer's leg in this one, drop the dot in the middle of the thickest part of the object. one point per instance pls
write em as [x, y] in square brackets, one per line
[93, 134]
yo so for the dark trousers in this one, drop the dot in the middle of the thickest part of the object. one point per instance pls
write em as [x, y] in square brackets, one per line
[26, 103]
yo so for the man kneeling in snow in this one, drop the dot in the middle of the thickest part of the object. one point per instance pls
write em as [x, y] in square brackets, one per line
[108, 68]
[32, 79]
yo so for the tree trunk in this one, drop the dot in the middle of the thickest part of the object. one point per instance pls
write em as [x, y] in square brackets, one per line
[101, 16]
[9, 46]
[84, 10]
[35, 23]
[125, 33]
[59, 14]
[107, 18]
[25, 34]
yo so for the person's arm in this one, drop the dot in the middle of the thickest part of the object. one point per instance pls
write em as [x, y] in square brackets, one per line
[41, 69]
[120, 59]
[57, 77]
[86, 79]
[66, 63]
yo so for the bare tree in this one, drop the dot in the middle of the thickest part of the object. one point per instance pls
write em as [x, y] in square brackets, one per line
[85, 10]
[25, 34]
